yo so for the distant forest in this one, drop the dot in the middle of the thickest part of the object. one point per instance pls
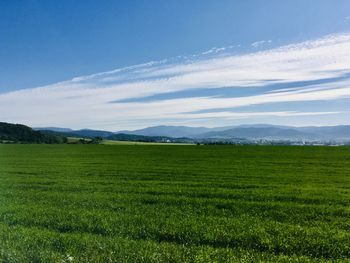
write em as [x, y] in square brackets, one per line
[18, 133]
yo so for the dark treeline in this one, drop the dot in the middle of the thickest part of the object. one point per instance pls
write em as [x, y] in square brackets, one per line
[18, 133]
[144, 138]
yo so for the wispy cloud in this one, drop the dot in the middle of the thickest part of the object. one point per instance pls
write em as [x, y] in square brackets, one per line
[182, 87]
[260, 43]
[214, 50]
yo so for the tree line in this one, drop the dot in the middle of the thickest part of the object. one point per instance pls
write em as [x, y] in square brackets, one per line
[18, 133]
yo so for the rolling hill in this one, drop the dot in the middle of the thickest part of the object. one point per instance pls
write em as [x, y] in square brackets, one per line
[18, 133]
[169, 131]
[254, 132]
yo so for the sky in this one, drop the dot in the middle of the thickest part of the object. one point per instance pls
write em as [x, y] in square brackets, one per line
[117, 65]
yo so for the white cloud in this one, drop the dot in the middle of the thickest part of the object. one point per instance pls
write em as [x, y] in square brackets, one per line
[260, 43]
[85, 101]
[216, 50]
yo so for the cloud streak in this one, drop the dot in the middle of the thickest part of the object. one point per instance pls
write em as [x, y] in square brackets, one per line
[181, 88]
[260, 43]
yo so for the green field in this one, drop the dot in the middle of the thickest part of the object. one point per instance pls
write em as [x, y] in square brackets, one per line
[171, 203]
[113, 142]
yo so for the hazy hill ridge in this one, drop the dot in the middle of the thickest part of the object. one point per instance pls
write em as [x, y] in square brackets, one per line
[255, 131]
[249, 132]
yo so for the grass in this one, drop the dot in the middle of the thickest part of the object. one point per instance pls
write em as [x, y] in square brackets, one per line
[113, 142]
[171, 203]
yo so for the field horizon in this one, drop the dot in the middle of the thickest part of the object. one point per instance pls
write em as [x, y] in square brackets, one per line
[173, 203]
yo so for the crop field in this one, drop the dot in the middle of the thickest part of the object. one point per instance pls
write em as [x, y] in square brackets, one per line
[113, 142]
[174, 203]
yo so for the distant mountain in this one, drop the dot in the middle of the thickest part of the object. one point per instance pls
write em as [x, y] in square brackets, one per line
[55, 129]
[18, 133]
[242, 132]
[340, 132]
[262, 126]
[251, 132]
[254, 133]
[77, 133]
[173, 131]
[92, 133]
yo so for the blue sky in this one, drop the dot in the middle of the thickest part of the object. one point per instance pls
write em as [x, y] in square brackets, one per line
[129, 64]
